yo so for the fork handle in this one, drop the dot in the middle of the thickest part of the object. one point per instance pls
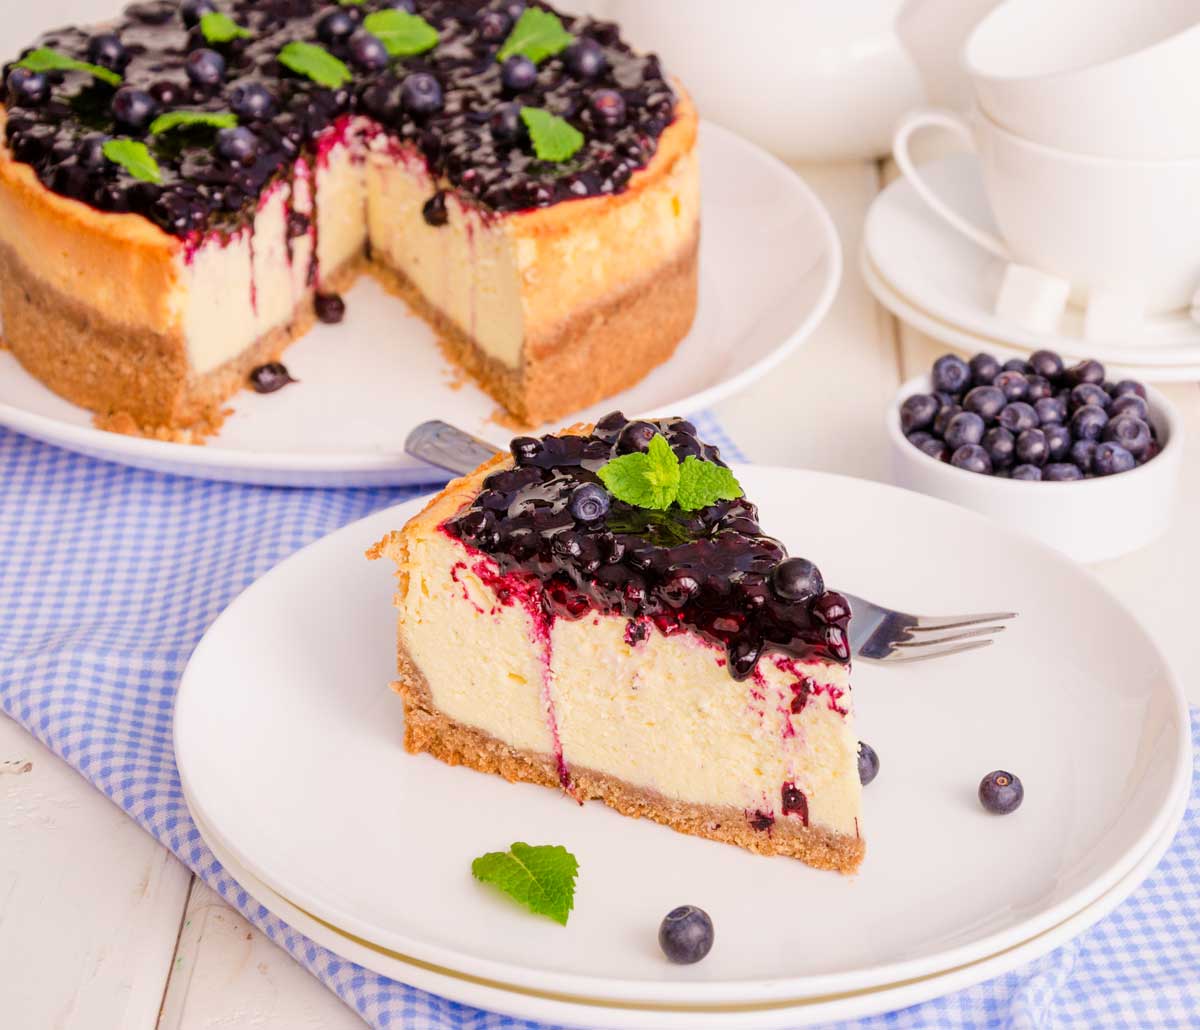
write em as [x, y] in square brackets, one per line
[448, 447]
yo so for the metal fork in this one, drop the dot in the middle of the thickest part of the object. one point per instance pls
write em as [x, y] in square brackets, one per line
[877, 634]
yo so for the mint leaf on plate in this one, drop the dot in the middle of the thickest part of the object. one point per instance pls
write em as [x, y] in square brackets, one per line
[537, 35]
[316, 63]
[134, 157]
[554, 139]
[645, 479]
[46, 60]
[188, 119]
[541, 877]
[220, 28]
[702, 483]
[402, 33]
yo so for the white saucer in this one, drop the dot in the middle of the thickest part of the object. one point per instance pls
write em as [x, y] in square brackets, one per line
[770, 263]
[953, 283]
[289, 746]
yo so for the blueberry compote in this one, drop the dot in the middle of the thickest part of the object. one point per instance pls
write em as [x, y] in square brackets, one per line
[59, 130]
[708, 571]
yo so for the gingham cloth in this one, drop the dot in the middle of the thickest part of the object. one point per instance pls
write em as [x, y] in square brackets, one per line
[108, 578]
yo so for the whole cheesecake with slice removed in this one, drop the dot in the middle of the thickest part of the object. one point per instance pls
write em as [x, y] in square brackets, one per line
[600, 612]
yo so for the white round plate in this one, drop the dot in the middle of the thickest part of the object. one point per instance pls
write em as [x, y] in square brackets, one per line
[770, 263]
[946, 275]
[584, 1013]
[290, 748]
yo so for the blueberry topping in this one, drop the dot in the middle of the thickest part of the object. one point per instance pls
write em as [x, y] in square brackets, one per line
[368, 52]
[28, 88]
[1001, 792]
[330, 307]
[1027, 472]
[421, 94]
[1111, 458]
[868, 763]
[964, 428]
[493, 26]
[985, 401]
[686, 934]
[608, 108]
[918, 412]
[526, 449]
[205, 67]
[984, 369]
[434, 211]
[589, 502]
[1061, 472]
[1046, 364]
[518, 74]
[193, 10]
[270, 377]
[108, 51]
[252, 101]
[972, 458]
[585, 58]
[505, 123]
[951, 373]
[1018, 415]
[238, 145]
[336, 26]
[797, 579]
[636, 436]
[132, 108]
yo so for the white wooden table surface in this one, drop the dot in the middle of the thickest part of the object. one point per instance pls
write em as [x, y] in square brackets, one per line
[101, 928]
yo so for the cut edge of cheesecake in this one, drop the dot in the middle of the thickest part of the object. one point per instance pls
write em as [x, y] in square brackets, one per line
[455, 742]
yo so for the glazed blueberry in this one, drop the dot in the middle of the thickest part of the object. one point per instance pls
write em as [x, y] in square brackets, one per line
[1012, 384]
[935, 449]
[330, 307]
[1083, 453]
[972, 458]
[270, 377]
[796, 579]
[1017, 416]
[1039, 388]
[585, 58]
[636, 436]
[434, 211]
[607, 107]
[984, 369]
[943, 417]
[518, 74]
[1111, 458]
[1129, 386]
[1088, 422]
[1050, 409]
[985, 401]
[868, 763]
[1085, 372]
[133, 108]
[1046, 364]
[1027, 472]
[205, 67]
[1058, 442]
[193, 10]
[525, 449]
[1016, 365]
[91, 152]
[1061, 472]
[965, 428]
[1129, 404]
[1001, 792]
[493, 26]
[918, 412]
[168, 93]
[589, 502]
[336, 26]
[479, 527]
[1000, 445]
[251, 100]
[686, 934]
[28, 88]
[421, 93]
[1089, 393]
[1130, 432]
[951, 373]
[369, 53]
[1032, 447]
[108, 51]
[408, 6]
[238, 145]
[506, 124]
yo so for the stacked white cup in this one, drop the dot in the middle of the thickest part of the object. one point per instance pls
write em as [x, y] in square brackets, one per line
[1087, 129]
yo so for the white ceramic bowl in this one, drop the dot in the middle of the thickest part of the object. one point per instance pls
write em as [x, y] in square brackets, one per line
[1089, 520]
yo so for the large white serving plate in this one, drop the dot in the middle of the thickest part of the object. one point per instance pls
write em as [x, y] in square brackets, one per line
[770, 263]
[289, 745]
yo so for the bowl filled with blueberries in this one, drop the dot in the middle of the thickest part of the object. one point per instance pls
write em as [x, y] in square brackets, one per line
[1087, 465]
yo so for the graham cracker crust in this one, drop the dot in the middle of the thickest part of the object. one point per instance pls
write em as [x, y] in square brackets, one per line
[428, 730]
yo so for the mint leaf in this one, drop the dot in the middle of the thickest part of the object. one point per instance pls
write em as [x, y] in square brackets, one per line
[351, 3]
[537, 35]
[702, 483]
[134, 157]
[402, 33]
[187, 119]
[220, 28]
[47, 60]
[648, 479]
[542, 877]
[316, 63]
[553, 138]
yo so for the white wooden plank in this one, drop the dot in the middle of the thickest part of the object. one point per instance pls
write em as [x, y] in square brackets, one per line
[90, 905]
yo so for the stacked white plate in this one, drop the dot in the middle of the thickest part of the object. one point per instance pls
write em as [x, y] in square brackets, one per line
[290, 748]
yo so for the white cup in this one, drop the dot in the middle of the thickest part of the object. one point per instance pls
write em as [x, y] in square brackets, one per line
[1124, 227]
[1109, 78]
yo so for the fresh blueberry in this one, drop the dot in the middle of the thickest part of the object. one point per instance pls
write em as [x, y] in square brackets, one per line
[1061, 472]
[868, 763]
[589, 502]
[919, 437]
[28, 88]
[205, 67]
[518, 74]
[1111, 458]
[965, 428]
[918, 412]
[251, 100]
[943, 417]
[1046, 364]
[1058, 441]
[335, 26]
[1083, 453]
[1085, 372]
[1001, 792]
[686, 934]
[270, 377]
[984, 369]
[330, 307]
[1128, 386]
[1012, 384]
[1039, 387]
[421, 93]
[985, 401]
[1050, 409]
[369, 53]
[493, 26]
[506, 124]
[1017, 365]
[797, 579]
[1017, 416]
[1089, 393]
[608, 108]
[108, 51]
[1130, 432]
[944, 398]
[585, 58]
[133, 108]
[238, 145]
[1027, 472]
[193, 10]
[1088, 422]
[972, 458]
[951, 373]
[636, 436]
[935, 448]
[1129, 404]
[1000, 445]
[1032, 447]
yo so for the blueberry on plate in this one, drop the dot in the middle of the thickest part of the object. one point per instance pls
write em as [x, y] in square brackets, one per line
[686, 934]
[918, 412]
[1001, 792]
[1112, 458]
[1061, 472]
[1032, 447]
[1130, 432]
[951, 373]
[964, 428]
[984, 369]
[1050, 409]
[972, 458]
[1088, 422]
[1089, 393]
[1058, 442]
[1046, 363]
[1017, 416]
[1129, 404]
[985, 401]
[868, 763]
[1027, 472]
[1000, 445]
[1012, 384]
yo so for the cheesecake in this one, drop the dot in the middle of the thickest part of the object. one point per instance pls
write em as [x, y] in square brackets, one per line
[188, 189]
[671, 662]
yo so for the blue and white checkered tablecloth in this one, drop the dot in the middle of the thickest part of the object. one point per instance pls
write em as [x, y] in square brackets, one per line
[108, 578]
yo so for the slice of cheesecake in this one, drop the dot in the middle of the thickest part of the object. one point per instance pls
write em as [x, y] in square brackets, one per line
[674, 664]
